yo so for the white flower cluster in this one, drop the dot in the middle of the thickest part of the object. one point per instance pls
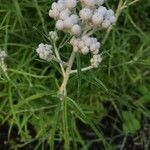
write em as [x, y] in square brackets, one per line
[103, 17]
[3, 55]
[97, 17]
[63, 12]
[85, 45]
[92, 13]
[96, 60]
[45, 51]
[82, 22]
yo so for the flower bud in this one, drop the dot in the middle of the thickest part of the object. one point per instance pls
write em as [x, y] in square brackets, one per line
[90, 3]
[60, 25]
[76, 29]
[86, 14]
[45, 51]
[53, 35]
[110, 12]
[112, 19]
[102, 10]
[106, 24]
[74, 18]
[100, 2]
[68, 23]
[97, 18]
[70, 3]
[85, 50]
[64, 14]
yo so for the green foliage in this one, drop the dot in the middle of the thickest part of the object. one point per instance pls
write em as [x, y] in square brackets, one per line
[115, 96]
[131, 124]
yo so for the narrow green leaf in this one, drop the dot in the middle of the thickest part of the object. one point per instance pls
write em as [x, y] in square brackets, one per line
[54, 127]
[79, 74]
[79, 111]
[101, 84]
[33, 97]
[65, 125]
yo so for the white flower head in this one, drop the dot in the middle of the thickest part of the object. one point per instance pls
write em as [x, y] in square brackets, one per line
[68, 23]
[75, 19]
[85, 50]
[64, 14]
[86, 14]
[106, 23]
[76, 29]
[90, 3]
[100, 2]
[96, 60]
[110, 12]
[70, 4]
[3, 54]
[60, 25]
[54, 13]
[45, 51]
[102, 10]
[97, 18]
[61, 6]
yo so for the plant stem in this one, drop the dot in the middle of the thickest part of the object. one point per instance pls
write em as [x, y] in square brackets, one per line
[62, 90]
[129, 4]
[58, 57]
[83, 69]
[60, 61]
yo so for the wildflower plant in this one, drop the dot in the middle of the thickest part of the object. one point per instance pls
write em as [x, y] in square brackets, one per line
[81, 19]
[37, 108]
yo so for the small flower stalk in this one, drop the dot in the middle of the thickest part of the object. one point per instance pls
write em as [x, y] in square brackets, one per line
[81, 19]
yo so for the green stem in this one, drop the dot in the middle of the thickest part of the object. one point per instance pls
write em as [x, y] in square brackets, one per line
[83, 69]
[65, 125]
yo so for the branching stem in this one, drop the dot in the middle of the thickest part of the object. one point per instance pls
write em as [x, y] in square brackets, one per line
[83, 69]
[62, 90]
[58, 57]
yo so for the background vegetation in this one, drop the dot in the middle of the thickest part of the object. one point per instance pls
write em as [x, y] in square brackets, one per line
[107, 108]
